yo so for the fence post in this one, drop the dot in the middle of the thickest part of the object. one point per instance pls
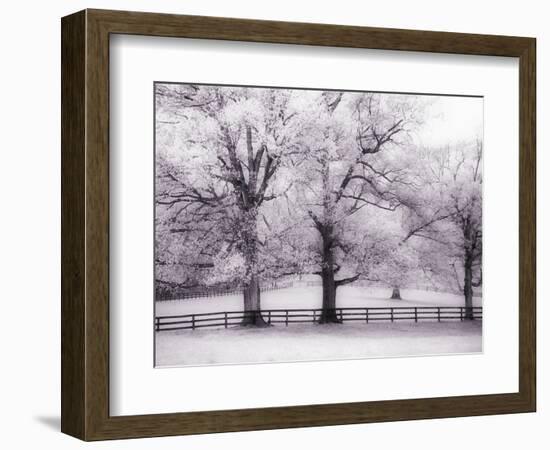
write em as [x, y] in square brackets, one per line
[391, 312]
[225, 317]
[341, 315]
[438, 314]
[461, 319]
[367, 315]
[415, 314]
[157, 323]
[193, 321]
[269, 317]
[314, 316]
[286, 317]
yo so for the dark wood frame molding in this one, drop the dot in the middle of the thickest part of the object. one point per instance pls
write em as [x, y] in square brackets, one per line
[85, 224]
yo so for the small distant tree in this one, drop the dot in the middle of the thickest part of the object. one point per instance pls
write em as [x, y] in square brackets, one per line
[398, 269]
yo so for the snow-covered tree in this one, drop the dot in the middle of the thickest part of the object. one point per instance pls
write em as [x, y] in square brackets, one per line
[226, 149]
[449, 217]
[357, 162]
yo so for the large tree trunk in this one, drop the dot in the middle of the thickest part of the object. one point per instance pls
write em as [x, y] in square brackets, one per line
[468, 261]
[396, 293]
[251, 291]
[328, 314]
[252, 307]
[468, 291]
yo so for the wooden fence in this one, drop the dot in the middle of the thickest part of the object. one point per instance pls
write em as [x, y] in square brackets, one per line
[226, 319]
[214, 292]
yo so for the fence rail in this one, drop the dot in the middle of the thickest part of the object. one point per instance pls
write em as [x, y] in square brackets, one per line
[226, 319]
[215, 292]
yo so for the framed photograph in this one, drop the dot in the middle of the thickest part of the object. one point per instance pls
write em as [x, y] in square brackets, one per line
[273, 225]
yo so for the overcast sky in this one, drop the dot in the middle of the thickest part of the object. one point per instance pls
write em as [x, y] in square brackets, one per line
[450, 120]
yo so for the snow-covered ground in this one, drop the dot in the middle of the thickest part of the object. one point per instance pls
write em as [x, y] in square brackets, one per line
[310, 297]
[307, 342]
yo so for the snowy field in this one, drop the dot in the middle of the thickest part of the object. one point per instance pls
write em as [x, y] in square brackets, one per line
[310, 297]
[309, 342]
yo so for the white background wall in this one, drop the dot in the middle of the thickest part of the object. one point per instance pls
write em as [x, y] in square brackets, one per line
[30, 225]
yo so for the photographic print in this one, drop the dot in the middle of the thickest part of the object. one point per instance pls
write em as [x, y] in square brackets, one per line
[300, 224]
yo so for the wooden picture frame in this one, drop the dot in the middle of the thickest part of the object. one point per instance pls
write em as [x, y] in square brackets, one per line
[85, 224]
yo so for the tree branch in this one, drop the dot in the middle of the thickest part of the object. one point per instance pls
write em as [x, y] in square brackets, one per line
[346, 280]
